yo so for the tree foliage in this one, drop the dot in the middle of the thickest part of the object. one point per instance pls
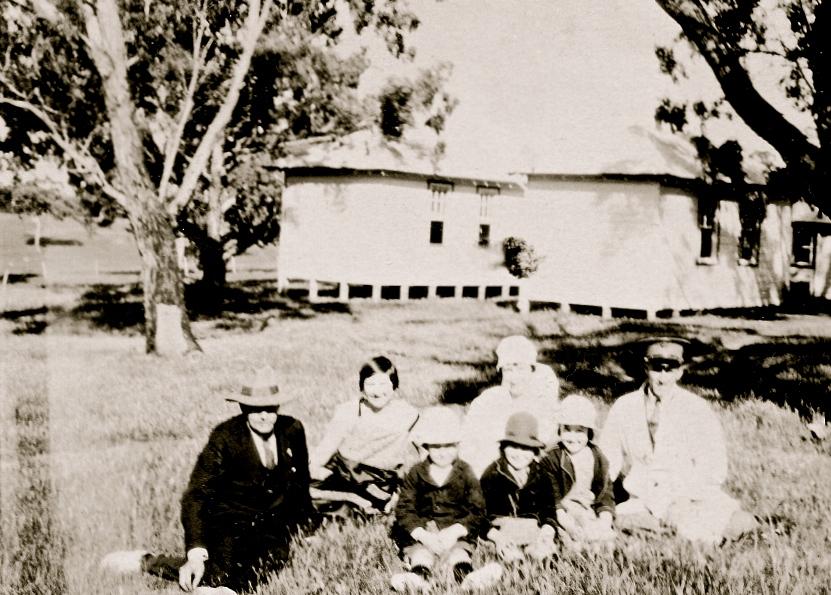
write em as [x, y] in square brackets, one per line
[153, 103]
[299, 89]
[743, 42]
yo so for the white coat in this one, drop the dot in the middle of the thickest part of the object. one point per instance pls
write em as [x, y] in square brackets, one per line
[680, 479]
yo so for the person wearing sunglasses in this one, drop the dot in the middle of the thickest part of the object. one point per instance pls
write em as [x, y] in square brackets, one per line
[666, 448]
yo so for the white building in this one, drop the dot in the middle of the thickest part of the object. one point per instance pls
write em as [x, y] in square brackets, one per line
[639, 237]
[609, 243]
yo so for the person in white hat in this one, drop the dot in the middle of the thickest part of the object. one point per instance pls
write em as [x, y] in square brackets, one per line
[440, 510]
[665, 444]
[525, 386]
[247, 497]
[570, 490]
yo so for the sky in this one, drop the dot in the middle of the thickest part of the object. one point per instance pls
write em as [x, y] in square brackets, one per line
[563, 86]
[556, 86]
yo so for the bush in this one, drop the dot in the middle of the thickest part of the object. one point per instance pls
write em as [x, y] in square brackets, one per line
[521, 259]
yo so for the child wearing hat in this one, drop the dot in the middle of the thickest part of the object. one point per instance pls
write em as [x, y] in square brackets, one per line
[504, 485]
[440, 511]
[365, 445]
[570, 487]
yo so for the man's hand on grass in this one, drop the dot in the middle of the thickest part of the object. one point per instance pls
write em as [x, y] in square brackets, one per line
[319, 473]
[190, 574]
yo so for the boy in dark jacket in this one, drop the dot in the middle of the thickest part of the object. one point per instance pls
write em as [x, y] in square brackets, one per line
[440, 510]
[504, 485]
[570, 487]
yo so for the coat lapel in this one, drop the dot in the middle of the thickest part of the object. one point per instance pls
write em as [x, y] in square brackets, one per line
[248, 450]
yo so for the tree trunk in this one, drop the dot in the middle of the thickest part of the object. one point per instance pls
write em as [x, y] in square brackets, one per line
[166, 325]
[210, 245]
[214, 272]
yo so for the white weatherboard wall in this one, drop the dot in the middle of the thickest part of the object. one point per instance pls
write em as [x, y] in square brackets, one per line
[595, 237]
[376, 230]
[611, 243]
[635, 245]
[727, 283]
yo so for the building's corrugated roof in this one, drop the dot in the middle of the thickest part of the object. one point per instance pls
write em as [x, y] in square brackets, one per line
[651, 154]
[370, 153]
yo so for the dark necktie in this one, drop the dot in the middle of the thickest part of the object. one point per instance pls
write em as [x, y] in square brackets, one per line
[652, 420]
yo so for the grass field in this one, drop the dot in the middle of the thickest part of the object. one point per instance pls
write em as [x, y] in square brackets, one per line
[97, 439]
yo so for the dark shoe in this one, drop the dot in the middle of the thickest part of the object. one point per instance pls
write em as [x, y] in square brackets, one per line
[422, 571]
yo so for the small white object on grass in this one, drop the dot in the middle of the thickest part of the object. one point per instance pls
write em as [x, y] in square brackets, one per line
[818, 426]
[214, 591]
[484, 577]
[123, 562]
[408, 582]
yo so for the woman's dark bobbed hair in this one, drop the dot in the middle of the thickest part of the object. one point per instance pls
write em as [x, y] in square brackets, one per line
[378, 365]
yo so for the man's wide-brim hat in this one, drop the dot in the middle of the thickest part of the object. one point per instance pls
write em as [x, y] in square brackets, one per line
[260, 390]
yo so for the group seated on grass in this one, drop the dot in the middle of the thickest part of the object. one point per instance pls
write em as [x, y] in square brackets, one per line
[521, 470]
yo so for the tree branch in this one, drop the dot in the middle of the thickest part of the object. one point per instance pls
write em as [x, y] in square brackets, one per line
[172, 146]
[84, 162]
[255, 21]
[791, 143]
[105, 38]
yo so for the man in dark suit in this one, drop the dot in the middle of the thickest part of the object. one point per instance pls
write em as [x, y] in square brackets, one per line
[247, 497]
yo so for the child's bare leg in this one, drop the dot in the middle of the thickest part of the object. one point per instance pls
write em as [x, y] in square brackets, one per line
[420, 560]
[458, 558]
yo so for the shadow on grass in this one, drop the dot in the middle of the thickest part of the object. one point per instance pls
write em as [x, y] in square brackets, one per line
[796, 373]
[47, 241]
[110, 307]
[20, 277]
[248, 305]
[607, 363]
[28, 321]
[463, 390]
[787, 371]
[252, 298]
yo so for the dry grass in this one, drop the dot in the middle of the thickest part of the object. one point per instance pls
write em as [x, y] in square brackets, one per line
[97, 440]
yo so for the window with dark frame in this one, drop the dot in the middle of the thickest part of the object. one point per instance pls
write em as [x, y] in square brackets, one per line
[485, 193]
[749, 242]
[439, 191]
[484, 235]
[436, 232]
[708, 227]
[752, 213]
[804, 246]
